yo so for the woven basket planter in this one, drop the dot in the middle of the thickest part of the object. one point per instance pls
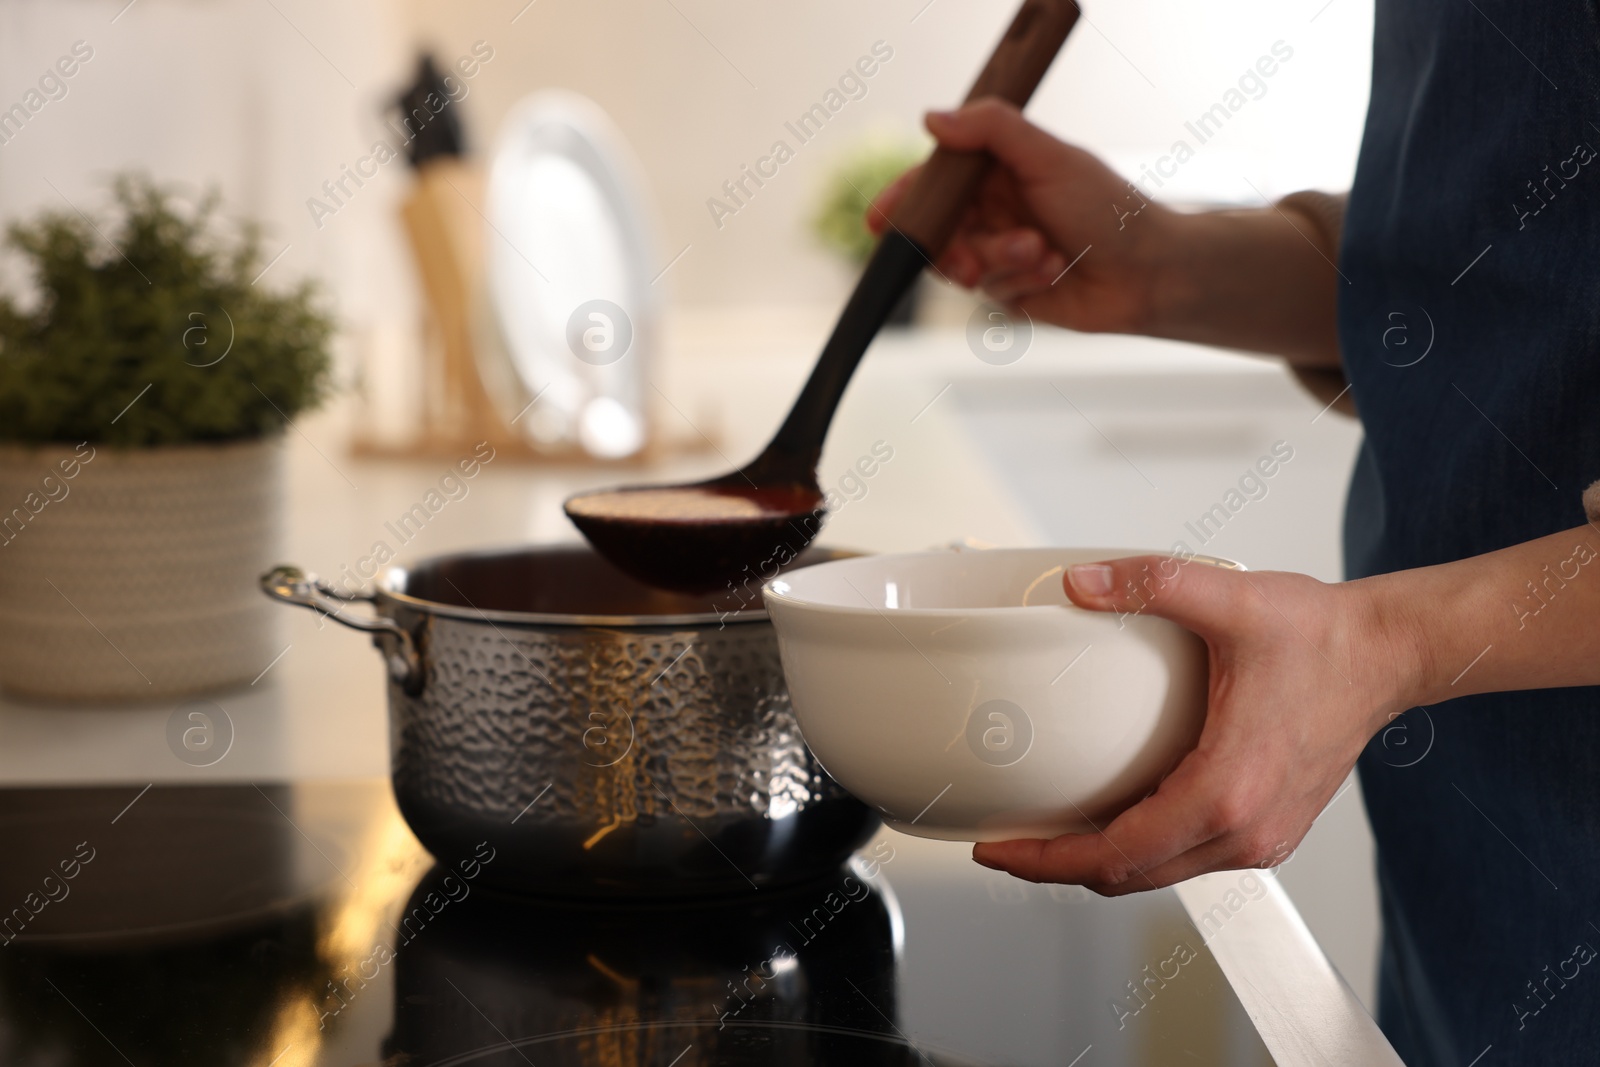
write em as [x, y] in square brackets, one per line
[135, 578]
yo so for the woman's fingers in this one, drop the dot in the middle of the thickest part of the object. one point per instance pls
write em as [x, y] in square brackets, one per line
[1178, 817]
[994, 260]
[1015, 286]
[1011, 263]
[1010, 250]
[1005, 264]
[1050, 188]
[961, 265]
[1221, 854]
[1203, 817]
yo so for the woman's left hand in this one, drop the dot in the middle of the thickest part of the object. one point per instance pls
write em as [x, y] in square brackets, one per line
[1302, 674]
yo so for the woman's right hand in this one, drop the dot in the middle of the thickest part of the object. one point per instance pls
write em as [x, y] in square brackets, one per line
[1045, 206]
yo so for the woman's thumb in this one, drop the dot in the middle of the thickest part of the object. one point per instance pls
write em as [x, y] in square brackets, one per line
[1192, 593]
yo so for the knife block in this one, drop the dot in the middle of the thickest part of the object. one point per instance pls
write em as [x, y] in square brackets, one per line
[445, 233]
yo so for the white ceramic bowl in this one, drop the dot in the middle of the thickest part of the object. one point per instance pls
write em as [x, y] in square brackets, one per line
[963, 695]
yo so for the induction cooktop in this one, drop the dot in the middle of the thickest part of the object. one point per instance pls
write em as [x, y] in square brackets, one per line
[301, 925]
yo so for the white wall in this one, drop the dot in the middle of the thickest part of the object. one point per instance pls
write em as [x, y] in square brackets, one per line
[225, 93]
[703, 86]
[269, 99]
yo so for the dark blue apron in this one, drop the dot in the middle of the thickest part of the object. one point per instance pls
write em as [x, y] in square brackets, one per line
[1470, 325]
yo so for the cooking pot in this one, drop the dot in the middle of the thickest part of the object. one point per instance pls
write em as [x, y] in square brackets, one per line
[590, 734]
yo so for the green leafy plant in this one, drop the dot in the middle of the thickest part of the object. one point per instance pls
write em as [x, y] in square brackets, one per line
[840, 222]
[147, 330]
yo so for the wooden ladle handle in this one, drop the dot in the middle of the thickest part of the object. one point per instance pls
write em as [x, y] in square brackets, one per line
[933, 206]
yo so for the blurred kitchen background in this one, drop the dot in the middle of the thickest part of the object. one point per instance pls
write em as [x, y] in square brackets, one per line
[1077, 440]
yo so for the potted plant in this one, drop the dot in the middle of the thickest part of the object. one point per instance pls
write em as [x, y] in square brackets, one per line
[145, 383]
[840, 222]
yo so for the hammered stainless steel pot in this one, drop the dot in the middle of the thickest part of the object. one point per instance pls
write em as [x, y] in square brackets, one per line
[597, 736]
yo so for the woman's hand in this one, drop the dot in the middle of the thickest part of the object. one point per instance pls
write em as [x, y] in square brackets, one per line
[1253, 280]
[1046, 204]
[1302, 674]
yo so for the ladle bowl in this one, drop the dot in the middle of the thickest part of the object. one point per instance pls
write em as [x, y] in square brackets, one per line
[714, 532]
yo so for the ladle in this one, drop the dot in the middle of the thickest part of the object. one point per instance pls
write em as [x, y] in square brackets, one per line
[697, 537]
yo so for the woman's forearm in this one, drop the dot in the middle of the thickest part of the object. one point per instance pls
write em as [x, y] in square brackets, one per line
[1525, 617]
[1261, 281]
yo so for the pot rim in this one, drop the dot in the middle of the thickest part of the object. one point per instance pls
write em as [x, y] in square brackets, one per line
[392, 580]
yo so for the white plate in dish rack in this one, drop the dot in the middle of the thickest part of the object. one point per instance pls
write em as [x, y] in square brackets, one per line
[568, 228]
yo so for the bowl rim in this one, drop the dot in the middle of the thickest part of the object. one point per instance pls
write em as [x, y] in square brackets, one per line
[771, 595]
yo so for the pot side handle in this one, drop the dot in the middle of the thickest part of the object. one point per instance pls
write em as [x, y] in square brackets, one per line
[291, 585]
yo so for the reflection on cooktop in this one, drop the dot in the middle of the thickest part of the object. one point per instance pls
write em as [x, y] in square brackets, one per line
[300, 926]
[800, 977]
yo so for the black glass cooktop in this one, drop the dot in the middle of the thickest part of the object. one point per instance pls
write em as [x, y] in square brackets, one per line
[302, 925]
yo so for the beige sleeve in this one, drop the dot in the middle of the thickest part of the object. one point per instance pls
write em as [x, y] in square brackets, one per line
[1591, 503]
[1325, 214]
